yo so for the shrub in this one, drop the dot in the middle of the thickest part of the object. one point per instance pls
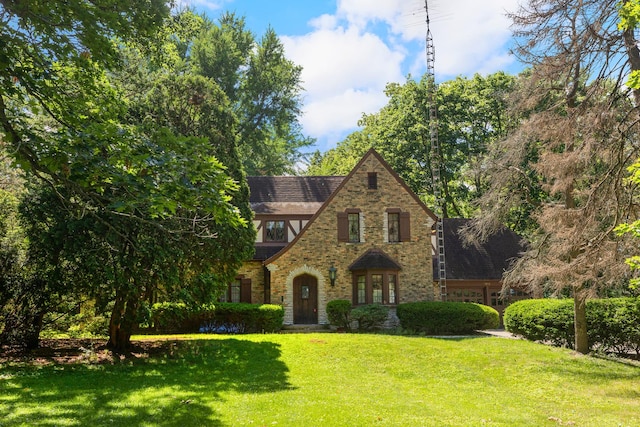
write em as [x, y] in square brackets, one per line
[613, 325]
[338, 312]
[245, 318]
[370, 317]
[178, 317]
[549, 320]
[439, 318]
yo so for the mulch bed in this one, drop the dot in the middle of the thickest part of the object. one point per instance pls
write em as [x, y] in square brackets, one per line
[72, 351]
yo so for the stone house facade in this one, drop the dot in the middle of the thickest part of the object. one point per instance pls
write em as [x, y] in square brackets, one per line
[365, 237]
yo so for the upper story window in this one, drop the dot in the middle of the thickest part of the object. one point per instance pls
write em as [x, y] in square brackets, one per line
[373, 180]
[350, 226]
[274, 231]
[393, 226]
[354, 227]
[398, 226]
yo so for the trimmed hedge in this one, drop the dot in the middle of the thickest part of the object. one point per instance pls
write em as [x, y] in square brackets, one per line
[224, 318]
[613, 325]
[440, 318]
[370, 317]
[246, 318]
[549, 320]
[338, 312]
[177, 317]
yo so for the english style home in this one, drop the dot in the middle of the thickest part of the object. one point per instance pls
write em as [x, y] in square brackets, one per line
[366, 238]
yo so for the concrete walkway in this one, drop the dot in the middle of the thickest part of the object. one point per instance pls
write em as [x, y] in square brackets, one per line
[501, 333]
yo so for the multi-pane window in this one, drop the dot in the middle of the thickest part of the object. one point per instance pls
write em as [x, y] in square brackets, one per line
[237, 291]
[354, 227]
[274, 231]
[234, 291]
[361, 289]
[375, 287]
[392, 289]
[393, 227]
[398, 226]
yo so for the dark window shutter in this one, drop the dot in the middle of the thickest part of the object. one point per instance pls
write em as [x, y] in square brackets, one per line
[245, 290]
[405, 227]
[343, 227]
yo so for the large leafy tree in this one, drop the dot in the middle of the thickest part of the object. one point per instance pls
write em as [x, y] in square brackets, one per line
[576, 139]
[471, 115]
[263, 87]
[129, 206]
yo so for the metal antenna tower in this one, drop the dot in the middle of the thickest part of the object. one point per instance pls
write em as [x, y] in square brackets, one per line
[436, 159]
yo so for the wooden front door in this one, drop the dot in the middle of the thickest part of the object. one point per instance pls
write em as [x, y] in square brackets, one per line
[305, 300]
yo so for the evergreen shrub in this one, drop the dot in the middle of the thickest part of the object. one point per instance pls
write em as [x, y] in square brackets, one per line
[339, 313]
[613, 324]
[446, 318]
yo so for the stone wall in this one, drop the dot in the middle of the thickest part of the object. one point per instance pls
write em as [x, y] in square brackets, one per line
[317, 248]
[254, 270]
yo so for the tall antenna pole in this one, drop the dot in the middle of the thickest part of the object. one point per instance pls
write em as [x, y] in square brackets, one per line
[436, 159]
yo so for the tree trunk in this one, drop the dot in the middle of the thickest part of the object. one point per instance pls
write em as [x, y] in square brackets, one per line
[580, 321]
[122, 321]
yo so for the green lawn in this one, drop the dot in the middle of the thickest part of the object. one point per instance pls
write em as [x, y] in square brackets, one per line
[330, 380]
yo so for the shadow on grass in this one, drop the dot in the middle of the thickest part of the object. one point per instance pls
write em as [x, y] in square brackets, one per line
[178, 388]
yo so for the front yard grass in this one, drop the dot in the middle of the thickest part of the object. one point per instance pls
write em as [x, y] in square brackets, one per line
[324, 379]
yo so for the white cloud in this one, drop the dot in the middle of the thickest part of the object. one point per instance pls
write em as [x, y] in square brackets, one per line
[344, 74]
[472, 36]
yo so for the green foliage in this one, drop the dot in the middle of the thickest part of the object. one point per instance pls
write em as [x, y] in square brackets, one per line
[247, 318]
[263, 87]
[339, 313]
[613, 325]
[548, 320]
[472, 115]
[442, 318]
[319, 378]
[178, 317]
[369, 317]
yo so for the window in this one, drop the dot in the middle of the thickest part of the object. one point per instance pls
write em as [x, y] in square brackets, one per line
[349, 226]
[237, 291]
[393, 227]
[398, 226]
[375, 287]
[274, 231]
[354, 227]
[372, 180]
[361, 289]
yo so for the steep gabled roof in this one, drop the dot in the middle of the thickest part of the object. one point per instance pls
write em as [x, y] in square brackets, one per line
[290, 194]
[486, 261]
[346, 179]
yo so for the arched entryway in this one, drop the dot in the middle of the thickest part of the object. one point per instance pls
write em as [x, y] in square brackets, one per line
[305, 300]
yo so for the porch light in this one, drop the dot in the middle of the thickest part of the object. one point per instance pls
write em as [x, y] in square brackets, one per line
[332, 275]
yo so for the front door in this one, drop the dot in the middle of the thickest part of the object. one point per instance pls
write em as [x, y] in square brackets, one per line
[305, 299]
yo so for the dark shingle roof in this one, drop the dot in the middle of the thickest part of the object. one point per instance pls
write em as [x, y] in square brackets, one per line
[486, 261]
[287, 195]
[374, 258]
[292, 188]
[265, 252]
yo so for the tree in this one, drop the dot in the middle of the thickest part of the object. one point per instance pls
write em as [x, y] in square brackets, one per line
[129, 207]
[263, 87]
[472, 114]
[574, 143]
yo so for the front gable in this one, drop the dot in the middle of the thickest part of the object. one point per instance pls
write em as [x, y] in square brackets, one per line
[371, 210]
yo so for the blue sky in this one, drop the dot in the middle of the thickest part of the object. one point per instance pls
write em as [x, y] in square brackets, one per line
[350, 49]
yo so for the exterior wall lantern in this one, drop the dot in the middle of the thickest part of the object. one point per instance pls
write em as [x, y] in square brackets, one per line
[332, 274]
